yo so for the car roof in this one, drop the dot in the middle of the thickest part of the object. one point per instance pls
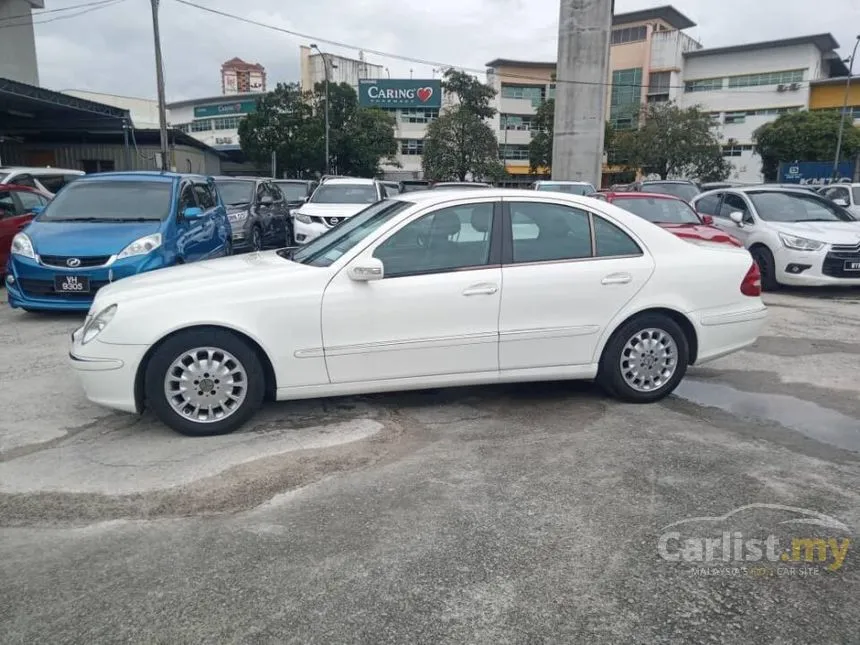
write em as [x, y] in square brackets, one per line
[631, 195]
[423, 196]
[564, 181]
[140, 175]
[41, 169]
[293, 181]
[349, 180]
[667, 181]
[237, 178]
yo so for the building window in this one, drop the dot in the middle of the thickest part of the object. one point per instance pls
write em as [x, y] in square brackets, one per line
[227, 123]
[514, 152]
[658, 82]
[629, 35]
[412, 147]
[534, 93]
[704, 85]
[204, 125]
[522, 122]
[625, 98]
[716, 117]
[418, 115]
[773, 111]
[735, 117]
[736, 150]
[768, 78]
[550, 92]
[182, 127]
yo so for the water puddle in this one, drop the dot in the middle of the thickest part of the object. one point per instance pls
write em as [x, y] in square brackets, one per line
[822, 424]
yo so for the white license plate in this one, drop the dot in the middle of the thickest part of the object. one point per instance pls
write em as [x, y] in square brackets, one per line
[852, 266]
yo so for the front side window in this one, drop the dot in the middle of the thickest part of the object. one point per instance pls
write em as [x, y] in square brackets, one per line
[797, 207]
[236, 192]
[331, 245]
[99, 201]
[734, 204]
[345, 194]
[659, 210]
[29, 201]
[547, 232]
[449, 239]
[204, 196]
[7, 204]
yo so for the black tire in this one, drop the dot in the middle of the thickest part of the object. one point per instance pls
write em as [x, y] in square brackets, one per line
[228, 247]
[256, 239]
[289, 240]
[610, 375]
[767, 267]
[182, 342]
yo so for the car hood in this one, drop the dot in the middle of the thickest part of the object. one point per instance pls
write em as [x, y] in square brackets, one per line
[830, 232]
[221, 274]
[86, 238]
[700, 232]
[332, 210]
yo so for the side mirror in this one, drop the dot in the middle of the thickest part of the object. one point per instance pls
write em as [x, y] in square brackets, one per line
[737, 217]
[840, 201]
[366, 270]
[192, 212]
[707, 219]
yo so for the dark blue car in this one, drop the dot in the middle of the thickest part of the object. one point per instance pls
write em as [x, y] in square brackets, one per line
[105, 227]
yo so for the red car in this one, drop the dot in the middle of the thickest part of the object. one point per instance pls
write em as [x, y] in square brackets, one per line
[671, 213]
[18, 205]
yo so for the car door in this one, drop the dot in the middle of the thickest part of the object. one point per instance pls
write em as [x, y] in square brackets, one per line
[279, 215]
[567, 273]
[191, 237]
[736, 203]
[209, 238]
[435, 311]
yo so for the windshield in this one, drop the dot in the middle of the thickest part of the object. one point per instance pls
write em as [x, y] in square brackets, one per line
[110, 201]
[293, 192]
[572, 189]
[654, 209]
[797, 207]
[236, 192]
[332, 244]
[684, 191]
[345, 194]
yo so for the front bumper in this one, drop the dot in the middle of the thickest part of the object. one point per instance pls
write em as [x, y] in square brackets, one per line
[107, 372]
[304, 233]
[824, 268]
[30, 284]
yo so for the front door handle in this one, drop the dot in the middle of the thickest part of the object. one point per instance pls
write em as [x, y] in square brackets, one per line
[481, 290]
[617, 278]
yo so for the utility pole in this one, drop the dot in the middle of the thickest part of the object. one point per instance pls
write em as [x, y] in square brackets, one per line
[580, 92]
[844, 110]
[159, 79]
[325, 68]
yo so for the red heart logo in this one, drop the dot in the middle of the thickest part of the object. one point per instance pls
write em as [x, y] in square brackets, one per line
[424, 94]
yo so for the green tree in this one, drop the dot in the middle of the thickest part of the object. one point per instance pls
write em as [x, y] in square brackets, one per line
[293, 125]
[540, 147]
[673, 142]
[804, 136]
[460, 143]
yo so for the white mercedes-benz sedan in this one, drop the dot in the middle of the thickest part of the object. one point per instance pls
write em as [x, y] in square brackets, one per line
[429, 289]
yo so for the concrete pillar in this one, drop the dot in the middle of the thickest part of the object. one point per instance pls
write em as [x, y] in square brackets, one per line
[18, 42]
[580, 106]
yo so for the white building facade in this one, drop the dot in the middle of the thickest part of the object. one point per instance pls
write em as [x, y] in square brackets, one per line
[213, 120]
[340, 69]
[746, 86]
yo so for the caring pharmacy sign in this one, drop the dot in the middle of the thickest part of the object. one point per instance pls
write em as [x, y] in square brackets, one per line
[399, 93]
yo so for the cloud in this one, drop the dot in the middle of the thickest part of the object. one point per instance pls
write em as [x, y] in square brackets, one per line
[111, 50]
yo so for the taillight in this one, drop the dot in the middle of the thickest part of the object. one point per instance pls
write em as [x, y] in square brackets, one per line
[751, 285]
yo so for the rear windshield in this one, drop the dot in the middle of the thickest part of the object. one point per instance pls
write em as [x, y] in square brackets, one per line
[293, 192]
[345, 194]
[659, 210]
[685, 191]
[236, 192]
[571, 189]
[110, 201]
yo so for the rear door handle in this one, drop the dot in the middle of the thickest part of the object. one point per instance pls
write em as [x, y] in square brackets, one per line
[617, 278]
[481, 290]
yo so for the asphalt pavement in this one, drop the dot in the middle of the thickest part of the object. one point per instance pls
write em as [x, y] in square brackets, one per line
[529, 513]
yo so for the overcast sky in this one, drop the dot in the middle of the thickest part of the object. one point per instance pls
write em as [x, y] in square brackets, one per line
[110, 50]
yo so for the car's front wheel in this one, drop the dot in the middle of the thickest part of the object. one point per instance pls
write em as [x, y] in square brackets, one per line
[256, 239]
[204, 382]
[645, 359]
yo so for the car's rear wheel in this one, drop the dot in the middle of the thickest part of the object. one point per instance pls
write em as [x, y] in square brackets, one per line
[766, 266]
[204, 382]
[645, 359]
[256, 239]
[228, 247]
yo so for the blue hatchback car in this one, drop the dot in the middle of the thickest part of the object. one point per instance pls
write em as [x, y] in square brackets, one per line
[105, 227]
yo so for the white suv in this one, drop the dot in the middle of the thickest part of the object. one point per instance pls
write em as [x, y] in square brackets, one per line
[47, 180]
[333, 201]
[796, 236]
[845, 195]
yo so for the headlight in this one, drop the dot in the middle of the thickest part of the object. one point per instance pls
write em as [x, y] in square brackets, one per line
[800, 243]
[238, 217]
[304, 219]
[141, 247]
[21, 245]
[97, 323]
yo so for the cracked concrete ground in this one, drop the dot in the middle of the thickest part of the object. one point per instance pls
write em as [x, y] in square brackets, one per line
[512, 514]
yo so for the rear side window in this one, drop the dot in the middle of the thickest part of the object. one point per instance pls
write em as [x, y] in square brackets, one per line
[611, 241]
[547, 232]
[186, 198]
[204, 196]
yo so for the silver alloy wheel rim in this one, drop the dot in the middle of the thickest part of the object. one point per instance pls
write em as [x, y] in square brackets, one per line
[206, 384]
[649, 360]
